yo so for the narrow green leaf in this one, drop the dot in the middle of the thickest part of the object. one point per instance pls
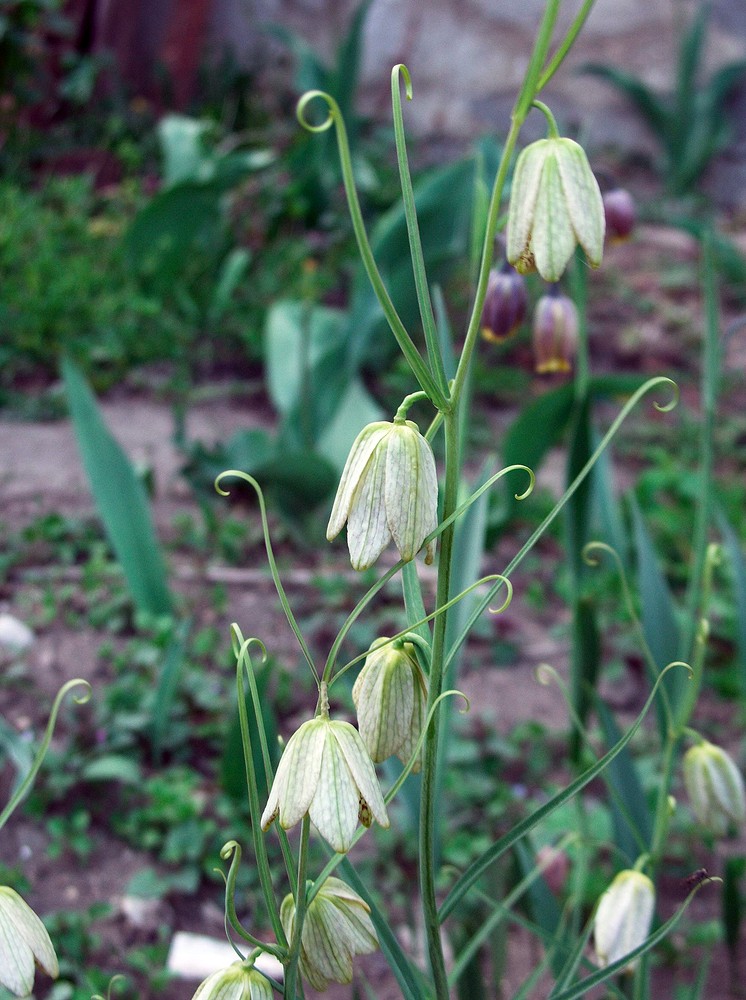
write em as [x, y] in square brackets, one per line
[496, 850]
[168, 683]
[738, 565]
[119, 497]
[407, 975]
[631, 815]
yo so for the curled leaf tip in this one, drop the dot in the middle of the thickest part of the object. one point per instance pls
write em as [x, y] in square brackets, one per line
[508, 586]
[332, 110]
[667, 407]
[546, 674]
[230, 848]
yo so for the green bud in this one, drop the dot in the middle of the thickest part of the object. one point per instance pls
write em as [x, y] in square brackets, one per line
[390, 696]
[715, 788]
[326, 772]
[337, 927]
[24, 942]
[389, 489]
[623, 917]
[555, 203]
[238, 982]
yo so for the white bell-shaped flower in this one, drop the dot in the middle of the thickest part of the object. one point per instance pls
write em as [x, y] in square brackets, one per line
[24, 943]
[623, 916]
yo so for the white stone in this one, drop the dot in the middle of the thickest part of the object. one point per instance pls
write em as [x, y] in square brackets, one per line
[195, 956]
[14, 634]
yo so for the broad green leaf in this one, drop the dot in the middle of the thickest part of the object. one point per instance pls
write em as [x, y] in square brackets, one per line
[119, 497]
[113, 767]
[183, 148]
[232, 272]
[738, 565]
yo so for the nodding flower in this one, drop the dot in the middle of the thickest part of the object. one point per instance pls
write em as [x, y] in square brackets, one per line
[390, 696]
[715, 788]
[238, 982]
[505, 304]
[337, 927]
[389, 489]
[555, 333]
[326, 773]
[623, 917]
[555, 204]
[620, 213]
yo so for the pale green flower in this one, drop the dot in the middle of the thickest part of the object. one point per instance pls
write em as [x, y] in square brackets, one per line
[337, 927]
[24, 942]
[390, 696]
[555, 203]
[715, 788]
[238, 982]
[388, 489]
[623, 916]
[326, 772]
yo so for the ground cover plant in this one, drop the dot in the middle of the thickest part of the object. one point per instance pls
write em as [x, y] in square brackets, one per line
[557, 835]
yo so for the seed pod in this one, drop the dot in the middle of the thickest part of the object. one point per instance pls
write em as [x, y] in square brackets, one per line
[555, 204]
[389, 489]
[555, 333]
[623, 917]
[336, 928]
[715, 788]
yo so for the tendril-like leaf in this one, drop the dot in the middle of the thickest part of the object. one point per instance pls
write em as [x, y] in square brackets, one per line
[28, 781]
[231, 852]
[270, 558]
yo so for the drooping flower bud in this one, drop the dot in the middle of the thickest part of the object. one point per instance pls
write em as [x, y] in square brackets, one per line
[555, 203]
[337, 927]
[390, 696]
[715, 788]
[623, 917]
[24, 942]
[326, 772]
[389, 489]
[620, 213]
[555, 333]
[505, 304]
[238, 982]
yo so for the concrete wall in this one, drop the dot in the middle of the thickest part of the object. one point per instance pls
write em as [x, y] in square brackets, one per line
[467, 57]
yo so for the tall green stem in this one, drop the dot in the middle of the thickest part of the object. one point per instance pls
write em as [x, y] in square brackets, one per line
[430, 757]
[301, 905]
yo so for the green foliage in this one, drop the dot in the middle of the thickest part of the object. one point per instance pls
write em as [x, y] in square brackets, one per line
[690, 122]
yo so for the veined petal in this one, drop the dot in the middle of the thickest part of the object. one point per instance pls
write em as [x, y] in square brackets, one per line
[361, 767]
[368, 533]
[363, 447]
[335, 805]
[523, 195]
[358, 927]
[583, 199]
[24, 940]
[324, 940]
[419, 712]
[297, 776]
[552, 238]
[411, 489]
[384, 698]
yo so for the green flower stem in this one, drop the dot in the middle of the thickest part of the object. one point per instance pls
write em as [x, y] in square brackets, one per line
[428, 805]
[415, 244]
[652, 383]
[689, 701]
[530, 86]
[409, 350]
[553, 131]
[301, 906]
[407, 402]
[709, 386]
[260, 848]
[565, 45]
[487, 254]
[41, 753]
[579, 281]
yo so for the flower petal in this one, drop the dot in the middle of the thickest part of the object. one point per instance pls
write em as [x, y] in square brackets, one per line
[362, 448]
[384, 698]
[367, 531]
[334, 808]
[523, 195]
[583, 199]
[552, 238]
[23, 940]
[297, 776]
[361, 767]
[411, 489]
